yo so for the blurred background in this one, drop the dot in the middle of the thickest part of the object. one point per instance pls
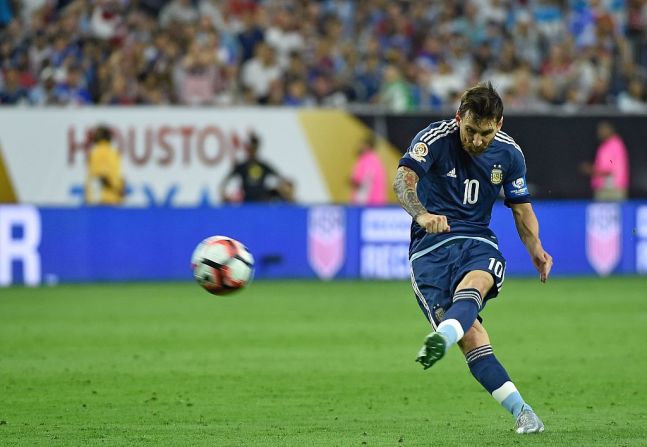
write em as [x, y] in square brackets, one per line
[132, 129]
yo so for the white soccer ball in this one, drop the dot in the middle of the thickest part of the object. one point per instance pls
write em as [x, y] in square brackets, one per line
[222, 265]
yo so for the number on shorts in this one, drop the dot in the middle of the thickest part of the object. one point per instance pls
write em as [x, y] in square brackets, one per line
[496, 267]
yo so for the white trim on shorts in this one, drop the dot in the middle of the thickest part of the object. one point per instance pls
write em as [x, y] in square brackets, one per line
[421, 253]
[421, 298]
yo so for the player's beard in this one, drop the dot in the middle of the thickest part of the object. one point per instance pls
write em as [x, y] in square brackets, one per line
[473, 150]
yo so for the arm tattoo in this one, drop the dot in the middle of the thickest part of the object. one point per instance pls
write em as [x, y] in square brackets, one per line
[404, 186]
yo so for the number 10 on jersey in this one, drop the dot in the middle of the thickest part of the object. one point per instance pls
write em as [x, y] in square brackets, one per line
[471, 193]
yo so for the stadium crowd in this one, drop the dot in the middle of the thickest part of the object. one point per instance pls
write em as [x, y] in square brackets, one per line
[400, 55]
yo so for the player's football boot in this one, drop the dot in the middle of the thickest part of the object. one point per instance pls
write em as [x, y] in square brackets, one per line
[432, 351]
[529, 422]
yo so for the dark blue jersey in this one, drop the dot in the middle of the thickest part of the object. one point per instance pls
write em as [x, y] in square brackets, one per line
[460, 186]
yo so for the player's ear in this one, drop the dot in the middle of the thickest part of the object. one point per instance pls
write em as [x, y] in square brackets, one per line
[457, 118]
[500, 125]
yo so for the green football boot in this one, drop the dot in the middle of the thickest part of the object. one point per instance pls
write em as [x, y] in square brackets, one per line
[433, 350]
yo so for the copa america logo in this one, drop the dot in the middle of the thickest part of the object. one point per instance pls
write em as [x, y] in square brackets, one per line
[326, 240]
[603, 236]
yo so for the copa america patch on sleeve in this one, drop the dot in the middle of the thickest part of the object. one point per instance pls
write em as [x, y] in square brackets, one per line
[419, 151]
[520, 187]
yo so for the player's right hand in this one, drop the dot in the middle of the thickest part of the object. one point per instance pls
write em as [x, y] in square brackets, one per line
[433, 223]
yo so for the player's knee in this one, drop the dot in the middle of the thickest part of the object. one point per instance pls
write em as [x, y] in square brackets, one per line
[477, 279]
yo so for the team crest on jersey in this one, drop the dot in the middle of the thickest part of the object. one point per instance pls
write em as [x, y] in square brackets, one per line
[496, 176]
[419, 151]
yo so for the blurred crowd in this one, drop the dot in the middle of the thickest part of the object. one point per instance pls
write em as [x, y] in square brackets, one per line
[399, 55]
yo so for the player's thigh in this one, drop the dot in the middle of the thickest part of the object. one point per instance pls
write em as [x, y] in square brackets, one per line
[474, 338]
[432, 279]
[480, 280]
[479, 256]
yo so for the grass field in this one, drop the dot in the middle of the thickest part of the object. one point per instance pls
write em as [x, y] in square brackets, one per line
[313, 364]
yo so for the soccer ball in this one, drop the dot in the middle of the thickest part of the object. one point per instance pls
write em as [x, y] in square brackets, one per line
[222, 265]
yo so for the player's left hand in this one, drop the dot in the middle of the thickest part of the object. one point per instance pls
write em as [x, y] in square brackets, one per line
[543, 263]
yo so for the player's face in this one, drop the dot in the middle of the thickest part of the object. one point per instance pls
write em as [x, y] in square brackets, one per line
[476, 135]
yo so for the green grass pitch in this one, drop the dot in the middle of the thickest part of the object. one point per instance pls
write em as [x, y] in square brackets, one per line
[314, 364]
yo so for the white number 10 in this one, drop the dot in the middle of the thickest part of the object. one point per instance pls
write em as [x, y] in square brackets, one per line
[496, 267]
[471, 194]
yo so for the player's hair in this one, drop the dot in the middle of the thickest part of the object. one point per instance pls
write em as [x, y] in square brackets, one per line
[370, 140]
[607, 124]
[253, 141]
[483, 102]
[102, 133]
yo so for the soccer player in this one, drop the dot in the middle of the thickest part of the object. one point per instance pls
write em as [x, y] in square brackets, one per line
[104, 184]
[259, 181]
[448, 182]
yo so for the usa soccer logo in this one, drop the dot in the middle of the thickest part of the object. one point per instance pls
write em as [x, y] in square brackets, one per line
[603, 236]
[326, 240]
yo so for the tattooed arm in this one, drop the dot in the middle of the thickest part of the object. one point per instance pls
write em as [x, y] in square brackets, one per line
[404, 186]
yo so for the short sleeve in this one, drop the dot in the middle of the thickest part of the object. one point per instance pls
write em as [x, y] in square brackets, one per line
[515, 186]
[419, 156]
[239, 169]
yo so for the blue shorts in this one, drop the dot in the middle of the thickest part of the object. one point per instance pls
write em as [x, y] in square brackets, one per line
[435, 274]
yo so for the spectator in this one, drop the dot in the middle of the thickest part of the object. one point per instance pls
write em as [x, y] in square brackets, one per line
[325, 93]
[549, 19]
[43, 93]
[276, 96]
[121, 91]
[257, 180]
[633, 99]
[445, 81]
[104, 181]
[523, 92]
[368, 180]
[610, 170]
[197, 75]
[470, 24]
[430, 53]
[559, 67]
[460, 58]
[106, 20]
[72, 91]
[179, 12]
[395, 94]
[284, 36]
[366, 82]
[527, 40]
[13, 93]
[258, 73]
[249, 36]
[297, 94]
[6, 12]
[591, 50]
[211, 10]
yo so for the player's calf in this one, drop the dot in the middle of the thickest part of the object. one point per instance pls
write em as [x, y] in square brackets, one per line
[491, 374]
